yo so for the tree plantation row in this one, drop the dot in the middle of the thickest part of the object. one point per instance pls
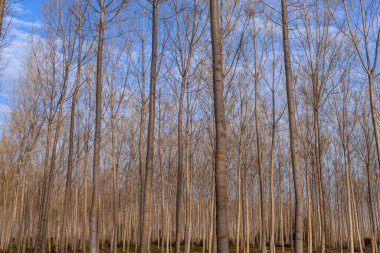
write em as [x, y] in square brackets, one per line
[194, 126]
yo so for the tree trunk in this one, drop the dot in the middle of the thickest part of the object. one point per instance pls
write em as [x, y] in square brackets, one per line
[40, 244]
[273, 135]
[144, 235]
[94, 212]
[2, 9]
[85, 168]
[239, 188]
[374, 113]
[371, 212]
[188, 226]
[221, 134]
[71, 141]
[49, 177]
[349, 204]
[142, 128]
[263, 247]
[293, 133]
[180, 171]
[318, 157]
[114, 177]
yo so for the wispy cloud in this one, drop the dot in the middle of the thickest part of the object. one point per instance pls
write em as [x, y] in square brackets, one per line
[18, 23]
[14, 56]
[5, 108]
[20, 9]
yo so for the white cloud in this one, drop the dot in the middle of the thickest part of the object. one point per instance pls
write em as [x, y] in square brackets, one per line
[13, 57]
[20, 9]
[5, 109]
[18, 23]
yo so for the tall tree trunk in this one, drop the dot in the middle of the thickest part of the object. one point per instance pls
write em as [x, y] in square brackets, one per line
[40, 244]
[293, 133]
[221, 134]
[71, 140]
[188, 226]
[247, 220]
[49, 176]
[2, 9]
[309, 224]
[85, 168]
[94, 212]
[144, 235]
[239, 188]
[308, 193]
[349, 200]
[142, 127]
[180, 171]
[114, 175]
[372, 99]
[263, 247]
[272, 147]
[344, 138]
[356, 220]
[281, 212]
[371, 212]
[318, 158]
[163, 223]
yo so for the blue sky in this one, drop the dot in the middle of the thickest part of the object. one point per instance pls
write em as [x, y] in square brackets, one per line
[25, 16]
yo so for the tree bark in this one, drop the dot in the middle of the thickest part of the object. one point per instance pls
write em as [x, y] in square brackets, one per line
[272, 147]
[2, 9]
[374, 112]
[142, 128]
[293, 133]
[221, 134]
[94, 212]
[71, 140]
[180, 170]
[144, 235]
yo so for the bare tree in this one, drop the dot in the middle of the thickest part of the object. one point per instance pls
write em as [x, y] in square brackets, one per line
[237, 186]
[367, 32]
[67, 57]
[2, 7]
[293, 132]
[94, 213]
[220, 135]
[72, 125]
[144, 234]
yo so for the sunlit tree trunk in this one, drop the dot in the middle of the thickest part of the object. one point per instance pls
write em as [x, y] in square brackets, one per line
[142, 127]
[2, 8]
[361, 33]
[180, 169]
[221, 134]
[293, 133]
[188, 226]
[71, 137]
[144, 235]
[272, 147]
[94, 212]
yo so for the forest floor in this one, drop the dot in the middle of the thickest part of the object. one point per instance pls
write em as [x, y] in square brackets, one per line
[198, 249]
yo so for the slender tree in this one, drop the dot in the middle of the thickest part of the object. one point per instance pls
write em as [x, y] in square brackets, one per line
[94, 213]
[293, 132]
[368, 33]
[221, 134]
[144, 234]
[72, 125]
